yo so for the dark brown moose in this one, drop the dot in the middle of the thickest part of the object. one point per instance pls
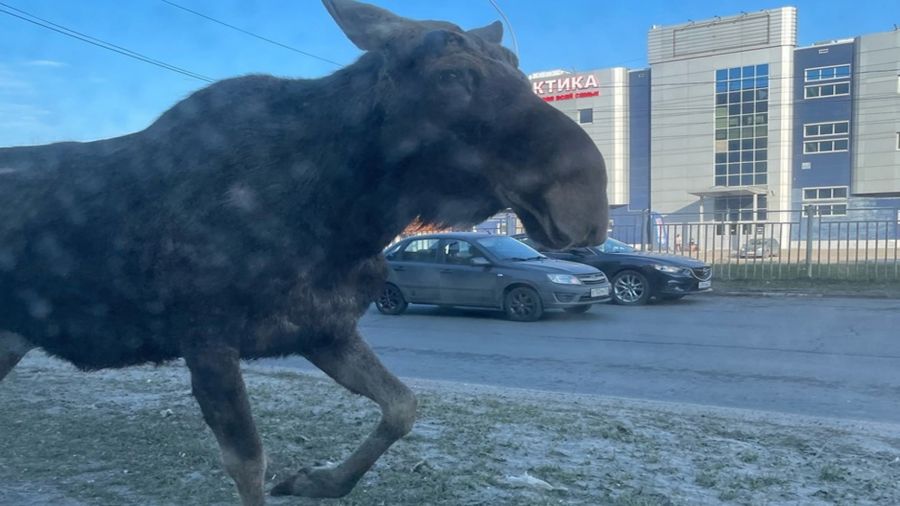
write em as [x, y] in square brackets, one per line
[248, 221]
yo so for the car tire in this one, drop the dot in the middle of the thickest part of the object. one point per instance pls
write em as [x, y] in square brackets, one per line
[578, 309]
[523, 304]
[630, 288]
[390, 300]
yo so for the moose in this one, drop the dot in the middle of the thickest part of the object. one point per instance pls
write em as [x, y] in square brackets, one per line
[248, 221]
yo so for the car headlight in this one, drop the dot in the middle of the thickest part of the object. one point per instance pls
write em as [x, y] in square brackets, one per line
[670, 269]
[564, 279]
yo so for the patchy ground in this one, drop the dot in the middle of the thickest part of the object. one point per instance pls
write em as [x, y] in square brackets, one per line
[136, 437]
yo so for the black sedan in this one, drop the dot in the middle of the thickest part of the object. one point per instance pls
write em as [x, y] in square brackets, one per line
[636, 276]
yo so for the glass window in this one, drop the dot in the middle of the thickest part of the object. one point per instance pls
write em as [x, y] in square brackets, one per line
[721, 170]
[720, 180]
[747, 83]
[810, 131]
[734, 156]
[721, 134]
[762, 94]
[747, 144]
[507, 248]
[419, 250]
[762, 142]
[734, 73]
[721, 98]
[762, 82]
[721, 86]
[809, 194]
[585, 116]
[826, 129]
[762, 154]
[734, 97]
[762, 70]
[839, 193]
[748, 71]
[721, 158]
[760, 167]
[827, 73]
[721, 75]
[841, 145]
[721, 111]
[842, 71]
[734, 109]
[841, 128]
[460, 252]
[842, 89]
[812, 75]
[762, 107]
[812, 91]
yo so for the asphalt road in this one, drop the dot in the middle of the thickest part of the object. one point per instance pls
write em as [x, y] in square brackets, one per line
[835, 357]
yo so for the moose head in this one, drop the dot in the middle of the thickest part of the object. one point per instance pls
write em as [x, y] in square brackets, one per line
[466, 135]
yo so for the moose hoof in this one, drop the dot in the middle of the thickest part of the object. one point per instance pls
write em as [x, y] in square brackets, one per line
[319, 482]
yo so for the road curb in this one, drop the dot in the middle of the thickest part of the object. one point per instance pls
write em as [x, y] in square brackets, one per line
[777, 294]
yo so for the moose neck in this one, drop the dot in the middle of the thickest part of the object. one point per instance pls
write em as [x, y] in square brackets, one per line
[365, 208]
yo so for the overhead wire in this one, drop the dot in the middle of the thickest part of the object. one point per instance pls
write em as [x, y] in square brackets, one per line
[109, 46]
[251, 34]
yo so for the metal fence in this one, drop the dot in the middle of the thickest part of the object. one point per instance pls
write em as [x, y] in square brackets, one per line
[863, 244]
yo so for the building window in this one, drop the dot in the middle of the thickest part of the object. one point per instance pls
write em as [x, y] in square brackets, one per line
[585, 116]
[733, 210]
[826, 73]
[826, 201]
[826, 129]
[741, 126]
[826, 90]
[829, 146]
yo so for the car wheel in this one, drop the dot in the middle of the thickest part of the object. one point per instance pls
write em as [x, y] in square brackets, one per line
[578, 309]
[391, 300]
[523, 304]
[630, 288]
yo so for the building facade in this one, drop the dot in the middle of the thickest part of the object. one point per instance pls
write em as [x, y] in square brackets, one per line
[732, 122]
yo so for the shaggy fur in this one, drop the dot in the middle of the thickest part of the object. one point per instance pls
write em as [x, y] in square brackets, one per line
[248, 220]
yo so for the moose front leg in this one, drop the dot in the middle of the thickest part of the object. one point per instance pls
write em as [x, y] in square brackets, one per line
[217, 384]
[353, 364]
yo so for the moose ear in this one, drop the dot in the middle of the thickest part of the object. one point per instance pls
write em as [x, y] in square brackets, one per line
[370, 28]
[490, 33]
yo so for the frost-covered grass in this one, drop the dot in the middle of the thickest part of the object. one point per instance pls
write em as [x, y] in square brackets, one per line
[136, 437]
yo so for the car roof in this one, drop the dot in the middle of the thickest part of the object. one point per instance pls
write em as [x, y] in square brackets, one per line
[454, 235]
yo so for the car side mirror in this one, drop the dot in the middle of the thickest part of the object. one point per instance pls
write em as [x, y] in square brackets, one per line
[480, 261]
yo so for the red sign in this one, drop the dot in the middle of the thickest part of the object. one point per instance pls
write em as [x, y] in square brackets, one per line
[566, 87]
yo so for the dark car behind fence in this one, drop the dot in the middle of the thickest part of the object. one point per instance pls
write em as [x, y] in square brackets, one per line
[854, 244]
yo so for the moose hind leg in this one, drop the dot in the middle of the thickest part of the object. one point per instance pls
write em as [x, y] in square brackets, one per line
[355, 366]
[12, 348]
[218, 386]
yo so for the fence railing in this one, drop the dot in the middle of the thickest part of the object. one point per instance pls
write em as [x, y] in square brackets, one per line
[863, 244]
[782, 246]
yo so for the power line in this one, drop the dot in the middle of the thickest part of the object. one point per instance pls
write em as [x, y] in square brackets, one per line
[251, 34]
[49, 25]
[512, 32]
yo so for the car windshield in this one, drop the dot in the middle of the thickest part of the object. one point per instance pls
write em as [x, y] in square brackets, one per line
[614, 246]
[507, 248]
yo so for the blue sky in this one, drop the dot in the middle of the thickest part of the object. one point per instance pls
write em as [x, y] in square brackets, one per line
[54, 88]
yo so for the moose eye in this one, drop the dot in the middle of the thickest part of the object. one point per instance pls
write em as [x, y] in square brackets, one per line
[450, 76]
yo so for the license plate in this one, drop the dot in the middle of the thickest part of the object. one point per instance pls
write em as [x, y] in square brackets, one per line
[599, 292]
[705, 284]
